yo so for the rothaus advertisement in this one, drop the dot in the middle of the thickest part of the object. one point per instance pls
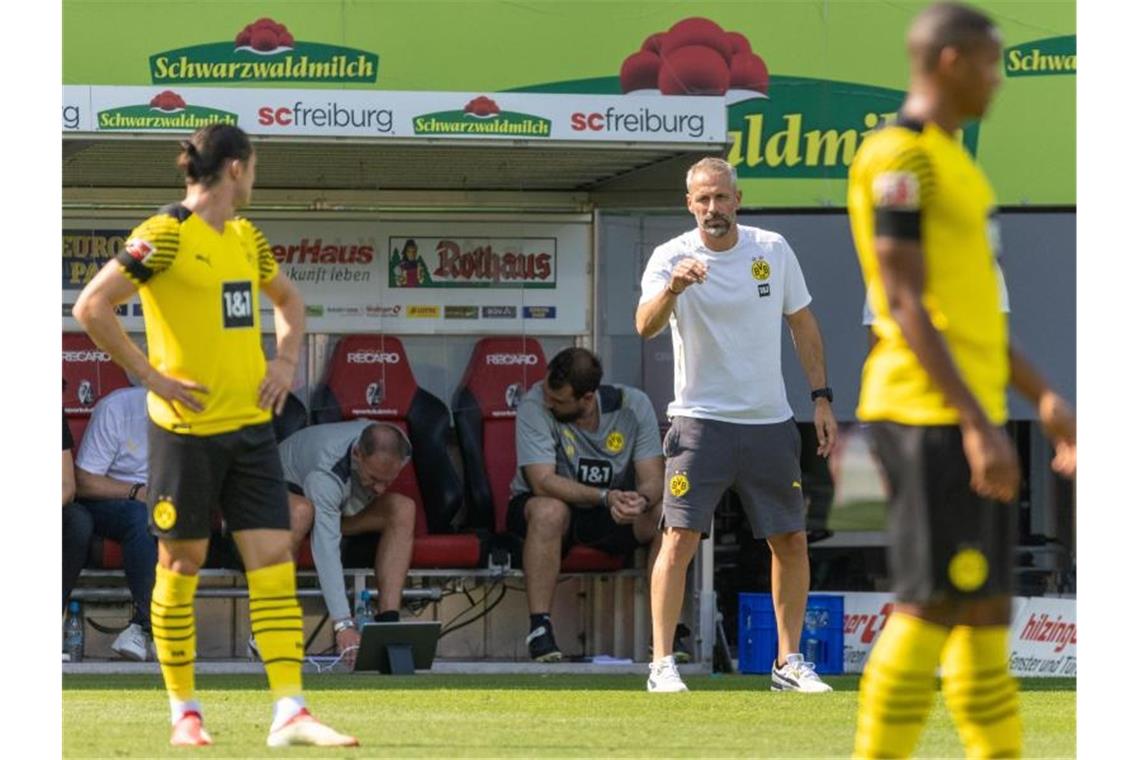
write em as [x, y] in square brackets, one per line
[423, 277]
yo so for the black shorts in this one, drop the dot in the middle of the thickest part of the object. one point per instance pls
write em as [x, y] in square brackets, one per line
[594, 528]
[946, 541]
[190, 476]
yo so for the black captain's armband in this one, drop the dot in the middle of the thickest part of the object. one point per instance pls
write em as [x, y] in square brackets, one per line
[133, 258]
[898, 224]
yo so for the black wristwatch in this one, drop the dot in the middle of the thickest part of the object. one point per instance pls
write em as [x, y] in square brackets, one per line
[824, 392]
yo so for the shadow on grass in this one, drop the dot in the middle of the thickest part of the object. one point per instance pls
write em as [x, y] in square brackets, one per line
[450, 681]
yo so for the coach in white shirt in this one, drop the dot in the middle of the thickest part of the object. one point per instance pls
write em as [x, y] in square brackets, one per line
[725, 291]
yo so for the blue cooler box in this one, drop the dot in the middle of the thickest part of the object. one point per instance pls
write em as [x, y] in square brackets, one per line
[821, 641]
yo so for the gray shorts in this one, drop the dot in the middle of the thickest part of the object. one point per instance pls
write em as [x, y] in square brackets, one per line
[704, 458]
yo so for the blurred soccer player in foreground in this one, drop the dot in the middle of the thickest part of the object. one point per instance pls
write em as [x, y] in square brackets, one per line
[934, 385]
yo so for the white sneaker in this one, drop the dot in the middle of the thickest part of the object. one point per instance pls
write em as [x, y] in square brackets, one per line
[797, 675]
[132, 643]
[305, 730]
[663, 677]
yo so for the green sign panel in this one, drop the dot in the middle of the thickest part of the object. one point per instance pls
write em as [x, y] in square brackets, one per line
[802, 87]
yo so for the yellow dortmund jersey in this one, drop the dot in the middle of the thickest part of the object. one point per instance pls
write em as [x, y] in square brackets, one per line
[199, 292]
[913, 181]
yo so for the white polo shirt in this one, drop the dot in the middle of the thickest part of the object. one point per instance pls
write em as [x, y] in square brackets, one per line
[114, 444]
[727, 330]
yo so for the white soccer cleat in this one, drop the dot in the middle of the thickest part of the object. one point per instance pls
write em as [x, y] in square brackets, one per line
[303, 730]
[797, 675]
[131, 644]
[188, 731]
[663, 677]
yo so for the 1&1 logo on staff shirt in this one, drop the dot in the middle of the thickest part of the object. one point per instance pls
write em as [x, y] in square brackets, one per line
[595, 472]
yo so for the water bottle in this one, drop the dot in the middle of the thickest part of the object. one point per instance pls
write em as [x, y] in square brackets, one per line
[363, 610]
[812, 624]
[73, 633]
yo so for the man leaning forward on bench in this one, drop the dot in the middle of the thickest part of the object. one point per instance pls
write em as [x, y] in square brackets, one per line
[338, 476]
[590, 472]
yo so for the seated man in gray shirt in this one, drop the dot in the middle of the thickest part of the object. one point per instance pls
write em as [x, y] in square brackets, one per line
[338, 475]
[590, 471]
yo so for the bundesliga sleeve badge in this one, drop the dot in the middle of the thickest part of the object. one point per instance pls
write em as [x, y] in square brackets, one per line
[898, 190]
[140, 250]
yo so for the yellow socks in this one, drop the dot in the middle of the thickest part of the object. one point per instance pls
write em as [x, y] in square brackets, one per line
[980, 692]
[897, 687]
[172, 618]
[276, 622]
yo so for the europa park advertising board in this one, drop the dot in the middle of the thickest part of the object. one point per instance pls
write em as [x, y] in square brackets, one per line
[800, 83]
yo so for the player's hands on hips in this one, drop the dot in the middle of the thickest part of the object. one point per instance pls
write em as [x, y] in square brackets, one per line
[1060, 423]
[688, 272]
[994, 471]
[171, 390]
[349, 637]
[274, 388]
[826, 428]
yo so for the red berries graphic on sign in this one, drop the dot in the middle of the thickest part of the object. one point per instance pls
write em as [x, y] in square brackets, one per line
[697, 32]
[264, 35]
[693, 70]
[695, 57]
[482, 106]
[652, 43]
[167, 100]
[639, 71]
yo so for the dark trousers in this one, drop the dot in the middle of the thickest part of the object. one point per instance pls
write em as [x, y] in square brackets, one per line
[125, 521]
[78, 527]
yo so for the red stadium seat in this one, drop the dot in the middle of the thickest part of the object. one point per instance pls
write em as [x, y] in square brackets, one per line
[369, 377]
[89, 374]
[500, 371]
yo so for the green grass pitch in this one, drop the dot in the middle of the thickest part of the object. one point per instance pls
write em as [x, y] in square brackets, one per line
[525, 716]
